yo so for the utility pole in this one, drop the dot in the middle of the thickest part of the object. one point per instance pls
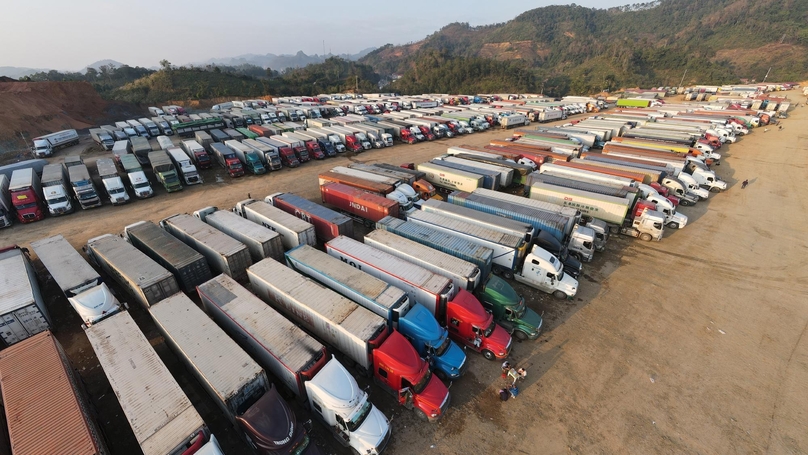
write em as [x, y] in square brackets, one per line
[356, 84]
[683, 78]
[767, 74]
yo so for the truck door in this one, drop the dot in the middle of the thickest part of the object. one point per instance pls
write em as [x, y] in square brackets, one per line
[11, 330]
[31, 319]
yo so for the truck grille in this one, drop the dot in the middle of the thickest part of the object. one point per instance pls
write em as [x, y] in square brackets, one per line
[29, 216]
[385, 441]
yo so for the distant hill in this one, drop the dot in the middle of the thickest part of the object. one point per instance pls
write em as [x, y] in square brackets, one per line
[101, 63]
[280, 62]
[16, 72]
[577, 49]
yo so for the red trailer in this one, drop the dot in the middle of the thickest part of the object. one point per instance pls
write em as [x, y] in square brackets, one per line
[366, 206]
[356, 182]
[328, 224]
[260, 130]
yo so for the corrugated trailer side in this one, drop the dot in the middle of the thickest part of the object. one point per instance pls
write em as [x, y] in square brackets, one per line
[70, 271]
[368, 206]
[261, 242]
[327, 223]
[281, 347]
[160, 415]
[46, 408]
[145, 279]
[335, 320]
[294, 231]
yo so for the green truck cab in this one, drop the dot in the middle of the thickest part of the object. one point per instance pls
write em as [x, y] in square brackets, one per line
[165, 171]
[509, 309]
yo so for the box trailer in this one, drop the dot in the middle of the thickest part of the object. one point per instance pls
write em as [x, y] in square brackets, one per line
[328, 224]
[452, 179]
[147, 281]
[188, 266]
[162, 418]
[224, 253]
[81, 284]
[47, 409]
[22, 310]
[261, 242]
[293, 230]
[363, 205]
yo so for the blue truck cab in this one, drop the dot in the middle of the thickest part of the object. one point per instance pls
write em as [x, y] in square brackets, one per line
[432, 342]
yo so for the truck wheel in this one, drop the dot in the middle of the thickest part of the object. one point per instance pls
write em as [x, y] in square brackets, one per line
[645, 236]
[685, 202]
[673, 225]
[488, 355]
[421, 415]
[614, 230]
[508, 274]
[520, 335]
[715, 189]
[559, 295]
[441, 375]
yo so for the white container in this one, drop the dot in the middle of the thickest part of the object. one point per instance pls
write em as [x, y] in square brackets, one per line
[293, 231]
[260, 241]
[22, 310]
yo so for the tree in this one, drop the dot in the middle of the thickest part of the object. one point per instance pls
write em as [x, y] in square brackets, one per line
[165, 65]
[91, 74]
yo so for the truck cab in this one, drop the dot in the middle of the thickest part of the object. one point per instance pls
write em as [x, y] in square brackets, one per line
[647, 224]
[432, 342]
[693, 186]
[680, 190]
[335, 399]
[673, 219]
[470, 324]
[546, 241]
[544, 271]
[399, 370]
[55, 191]
[270, 426]
[508, 308]
[705, 177]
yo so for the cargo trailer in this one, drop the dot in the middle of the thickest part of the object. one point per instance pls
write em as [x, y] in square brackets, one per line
[293, 230]
[261, 242]
[22, 308]
[362, 205]
[328, 224]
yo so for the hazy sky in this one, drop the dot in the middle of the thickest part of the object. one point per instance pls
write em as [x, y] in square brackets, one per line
[71, 34]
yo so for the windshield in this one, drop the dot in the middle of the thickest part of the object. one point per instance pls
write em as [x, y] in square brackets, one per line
[440, 350]
[421, 385]
[26, 206]
[116, 190]
[84, 196]
[490, 329]
[141, 185]
[57, 200]
[359, 418]
[235, 165]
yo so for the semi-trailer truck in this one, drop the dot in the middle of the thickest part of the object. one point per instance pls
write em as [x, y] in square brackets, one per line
[449, 179]
[54, 189]
[83, 185]
[103, 138]
[25, 192]
[328, 224]
[248, 156]
[295, 145]
[261, 242]
[137, 178]
[184, 165]
[227, 159]
[23, 312]
[364, 206]
[410, 318]
[401, 185]
[293, 230]
[165, 171]
[269, 155]
[45, 145]
[312, 147]
[113, 184]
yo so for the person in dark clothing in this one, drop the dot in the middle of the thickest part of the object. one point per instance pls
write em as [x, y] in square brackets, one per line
[744, 183]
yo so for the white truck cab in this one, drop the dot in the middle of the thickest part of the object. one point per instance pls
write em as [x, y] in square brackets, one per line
[649, 225]
[545, 272]
[673, 219]
[336, 400]
[582, 243]
[693, 186]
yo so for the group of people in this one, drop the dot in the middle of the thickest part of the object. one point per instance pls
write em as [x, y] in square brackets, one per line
[511, 375]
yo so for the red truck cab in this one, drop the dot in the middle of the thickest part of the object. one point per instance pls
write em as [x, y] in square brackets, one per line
[665, 193]
[406, 136]
[24, 191]
[641, 206]
[399, 370]
[314, 150]
[202, 159]
[470, 325]
[429, 135]
[352, 144]
[288, 157]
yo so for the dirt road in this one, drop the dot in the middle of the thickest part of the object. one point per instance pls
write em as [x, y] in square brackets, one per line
[690, 345]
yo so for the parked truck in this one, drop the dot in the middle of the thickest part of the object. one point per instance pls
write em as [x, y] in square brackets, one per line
[410, 318]
[113, 185]
[227, 159]
[102, 138]
[249, 157]
[300, 362]
[364, 206]
[360, 335]
[328, 224]
[6, 208]
[25, 192]
[224, 253]
[47, 144]
[165, 171]
[450, 179]
[164, 421]
[196, 151]
[404, 193]
[332, 138]
[22, 307]
[285, 152]
[293, 231]
[81, 284]
[261, 242]
[54, 189]
[182, 162]
[31, 370]
[187, 265]
[269, 155]
[312, 147]
[140, 147]
[137, 178]
[147, 281]
[235, 382]
[82, 183]
[295, 145]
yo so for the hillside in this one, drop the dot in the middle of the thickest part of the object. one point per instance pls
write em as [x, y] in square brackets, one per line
[572, 48]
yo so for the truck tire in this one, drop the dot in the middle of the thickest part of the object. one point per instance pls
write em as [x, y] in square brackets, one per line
[520, 335]
[715, 189]
[614, 230]
[421, 415]
[673, 225]
[559, 295]
[645, 236]
[508, 274]
[488, 355]
[686, 203]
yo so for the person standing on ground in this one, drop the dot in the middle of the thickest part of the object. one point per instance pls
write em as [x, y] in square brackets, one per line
[744, 183]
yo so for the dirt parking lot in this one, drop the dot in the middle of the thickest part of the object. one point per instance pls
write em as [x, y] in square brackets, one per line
[693, 345]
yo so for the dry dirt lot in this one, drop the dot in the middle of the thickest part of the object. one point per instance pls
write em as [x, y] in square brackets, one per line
[692, 345]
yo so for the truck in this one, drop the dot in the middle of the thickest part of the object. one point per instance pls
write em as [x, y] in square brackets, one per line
[490, 178]
[186, 264]
[235, 382]
[503, 174]
[638, 220]
[164, 421]
[183, 163]
[301, 363]
[450, 179]
[224, 253]
[218, 135]
[399, 132]
[204, 140]
[450, 256]
[287, 155]
[335, 140]
[410, 318]
[326, 146]
[404, 193]
[119, 149]
[82, 183]
[519, 170]
[348, 139]
[261, 242]
[457, 309]
[227, 159]
[150, 126]
[49, 143]
[22, 307]
[102, 138]
[328, 224]
[377, 187]
[165, 171]
[312, 147]
[359, 334]
[6, 208]
[35, 368]
[140, 147]
[25, 192]
[513, 258]
[366, 207]
[54, 189]
[112, 182]
[292, 230]
[137, 178]
[359, 134]
[296, 145]
[269, 155]
[139, 129]
[164, 142]
[81, 285]
[411, 183]
[249, 157]
[425, 189]
[513, 121]
[147, 281]
[163, 125]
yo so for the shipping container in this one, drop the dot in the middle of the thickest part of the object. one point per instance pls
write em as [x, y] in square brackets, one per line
[224, 253]
[162, 418]
[293, 230]
[47, 409]
[147, 281]
[369, 207]
[451, 179]
[261, 242]
[22, 310]
[328, 224]
[188, 266]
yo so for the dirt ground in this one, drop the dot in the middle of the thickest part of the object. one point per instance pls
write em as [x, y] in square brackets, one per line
[693, 345]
